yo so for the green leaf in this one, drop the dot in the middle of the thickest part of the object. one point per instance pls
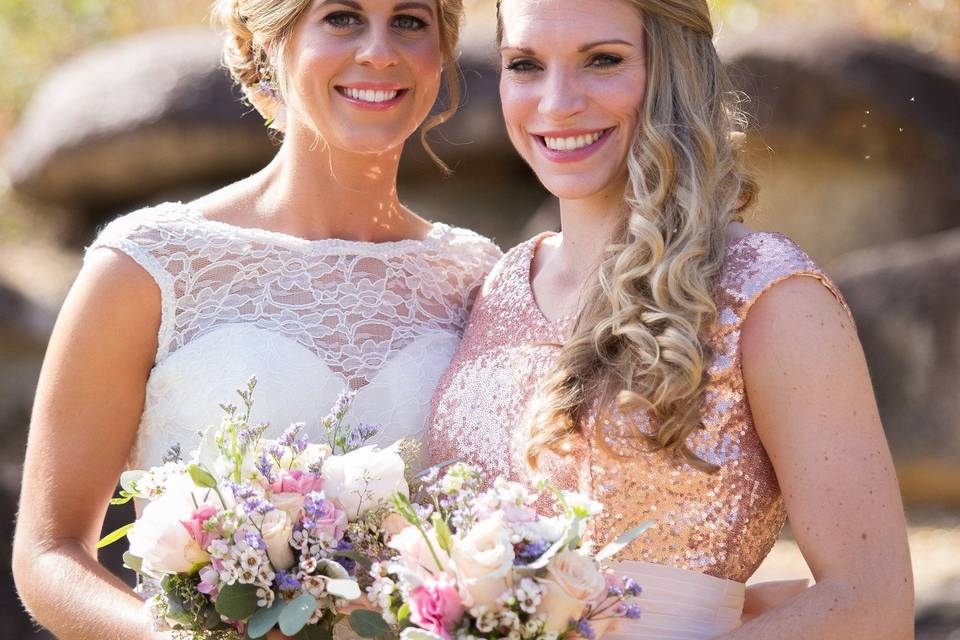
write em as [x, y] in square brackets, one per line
[444, 537]
[128, 480]
[623, 540]
[438, 466]
[113, 536]
[237, 601]
[266, 619]
[346, 589]
[201, 477]
[121, 500]
[314, 632]
[356, 556]
[132, 562]
[368, 624]
[297, 613]
[403, 614]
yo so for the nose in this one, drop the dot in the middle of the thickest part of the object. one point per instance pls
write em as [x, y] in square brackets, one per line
[563, 96]
[375, 50]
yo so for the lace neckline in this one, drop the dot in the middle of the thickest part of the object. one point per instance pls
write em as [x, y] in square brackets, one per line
[437, 232]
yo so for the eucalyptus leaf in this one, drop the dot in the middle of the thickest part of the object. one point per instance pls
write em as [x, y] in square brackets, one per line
[346, 589]
[623, 540]
[314, 632]
[266, 619]
[201, 477]
[113, 536]
[297, 613]
[432, 468]
[368, 624]
[128, 480]
[356, 556]
[237, 601]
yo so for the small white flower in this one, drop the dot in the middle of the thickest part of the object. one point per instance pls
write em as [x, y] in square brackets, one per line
[308, 564]
[247, 576]
[249, 558]
[229, 574]
[533, 626]
[510, 620]
[486, 619]
[265, 597]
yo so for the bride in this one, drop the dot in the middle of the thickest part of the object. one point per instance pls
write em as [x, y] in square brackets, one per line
[309, 274]
[663, 358]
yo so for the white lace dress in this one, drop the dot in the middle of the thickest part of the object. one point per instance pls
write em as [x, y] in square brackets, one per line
[309, 319]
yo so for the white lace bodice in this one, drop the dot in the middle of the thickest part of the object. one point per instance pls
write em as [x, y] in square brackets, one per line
[309, 319]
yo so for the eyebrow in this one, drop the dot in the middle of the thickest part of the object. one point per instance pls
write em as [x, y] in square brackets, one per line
[586, 47]
[403, 6]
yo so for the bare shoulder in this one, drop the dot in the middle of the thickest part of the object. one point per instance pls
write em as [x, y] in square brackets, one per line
[233, 204]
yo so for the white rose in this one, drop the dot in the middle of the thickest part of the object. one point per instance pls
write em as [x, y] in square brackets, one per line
[277, 528]
[362, 479]
[483, 563]
[573, 581]
[159, 537]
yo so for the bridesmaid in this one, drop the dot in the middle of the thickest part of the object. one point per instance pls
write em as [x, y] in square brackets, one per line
[663, 357]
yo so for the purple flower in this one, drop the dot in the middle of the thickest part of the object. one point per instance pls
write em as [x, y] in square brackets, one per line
[289, 436]
[631, 587]
[633, 611]
[258, 505]
[528, 552]
[253, 540]
[287, 582]
[265, 467]
[585, 629]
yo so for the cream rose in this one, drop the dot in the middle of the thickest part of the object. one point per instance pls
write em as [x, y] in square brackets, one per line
[572, 582]
[159, 536]
[483, 561]
[290, 503]
[362, 479]
[276, 528]
[415, 554]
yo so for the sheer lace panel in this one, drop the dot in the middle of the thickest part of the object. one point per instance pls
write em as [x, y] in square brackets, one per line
[353, 304]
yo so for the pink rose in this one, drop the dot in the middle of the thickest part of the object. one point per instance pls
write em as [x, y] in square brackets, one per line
[435, 605]
[194, 525]
[208, 582]
[328, 520]
[415, 554]
[296, 481]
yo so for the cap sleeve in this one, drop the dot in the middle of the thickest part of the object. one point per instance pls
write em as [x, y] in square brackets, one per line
[476, 255]
[757, 262]
[142, 235]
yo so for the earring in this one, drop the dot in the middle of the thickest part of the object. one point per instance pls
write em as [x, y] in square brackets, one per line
[267, 83]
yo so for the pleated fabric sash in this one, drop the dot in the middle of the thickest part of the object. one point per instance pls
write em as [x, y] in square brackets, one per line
[678, 604]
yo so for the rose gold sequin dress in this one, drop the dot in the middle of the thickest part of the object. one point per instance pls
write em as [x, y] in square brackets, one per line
[711, 531]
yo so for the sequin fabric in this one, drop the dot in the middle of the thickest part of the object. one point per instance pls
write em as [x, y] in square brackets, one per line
[722, 524]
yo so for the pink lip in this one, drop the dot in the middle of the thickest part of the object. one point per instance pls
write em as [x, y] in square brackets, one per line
[570, 156]
[373, 86]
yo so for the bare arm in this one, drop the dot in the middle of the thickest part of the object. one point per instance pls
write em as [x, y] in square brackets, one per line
[813, 406]
[87, 408]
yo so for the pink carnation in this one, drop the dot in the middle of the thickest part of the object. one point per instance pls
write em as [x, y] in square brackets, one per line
[296, 481]
[436, 605]
[208, 582]
[194, 525]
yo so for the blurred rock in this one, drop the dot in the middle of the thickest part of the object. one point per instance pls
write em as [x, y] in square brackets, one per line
[124, 121]
[857, 138]
[905, 299]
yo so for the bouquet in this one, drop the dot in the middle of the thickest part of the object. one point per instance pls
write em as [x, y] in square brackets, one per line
[484, 564]
[253, 533]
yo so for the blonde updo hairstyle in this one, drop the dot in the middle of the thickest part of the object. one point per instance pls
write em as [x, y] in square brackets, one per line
[639, 341]
[256, 33]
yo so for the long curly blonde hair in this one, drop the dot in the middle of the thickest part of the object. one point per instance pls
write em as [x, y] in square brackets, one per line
[639, 341]
[251, 28]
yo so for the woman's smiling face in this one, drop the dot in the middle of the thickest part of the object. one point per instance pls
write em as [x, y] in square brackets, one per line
[572, 87]
[363, 74]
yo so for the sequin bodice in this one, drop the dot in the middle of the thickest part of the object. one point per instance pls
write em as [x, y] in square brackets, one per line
[720, 524]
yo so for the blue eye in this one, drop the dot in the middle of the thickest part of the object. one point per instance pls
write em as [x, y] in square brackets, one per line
[521, 66]
[409, 23]
[342, 20]
[605, 60]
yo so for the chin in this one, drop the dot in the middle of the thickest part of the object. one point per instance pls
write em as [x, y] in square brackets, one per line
[574, 186]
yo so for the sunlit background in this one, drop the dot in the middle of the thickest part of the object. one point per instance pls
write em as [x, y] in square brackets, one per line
[108, 105]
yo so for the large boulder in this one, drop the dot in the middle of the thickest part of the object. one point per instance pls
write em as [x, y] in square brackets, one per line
[146, 115]
[855, 139]
[905, 299]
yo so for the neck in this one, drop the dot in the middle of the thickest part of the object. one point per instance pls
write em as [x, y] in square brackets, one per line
[587, 226]
[317, 191]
